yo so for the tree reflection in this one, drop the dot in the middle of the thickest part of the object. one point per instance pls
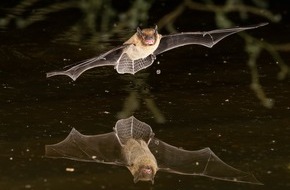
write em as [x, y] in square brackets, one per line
[253, 46]
[139, 93]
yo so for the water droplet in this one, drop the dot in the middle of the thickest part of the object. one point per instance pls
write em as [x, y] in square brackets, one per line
[27, 186]
[69, 169]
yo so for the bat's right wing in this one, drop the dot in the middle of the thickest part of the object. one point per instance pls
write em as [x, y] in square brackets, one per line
[103, 148]
[110, 58]
[201, 162]
[207, 38]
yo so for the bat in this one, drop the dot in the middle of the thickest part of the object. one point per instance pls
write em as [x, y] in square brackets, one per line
[132, 144]
[140, 51]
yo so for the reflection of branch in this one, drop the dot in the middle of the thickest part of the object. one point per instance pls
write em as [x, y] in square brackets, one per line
[272, 50]
[254, 52]
[253, 48]
[168, 19]
[284, 69]
[159, 117]
[20, 9]
[36, 16]
[98, 18]
[282, 47]
[138, 12]
[233, 8]
[253, 45]
[132, 102]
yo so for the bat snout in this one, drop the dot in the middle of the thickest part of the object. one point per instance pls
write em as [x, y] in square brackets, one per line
[145, 173]
[147, 170]
[149, 40]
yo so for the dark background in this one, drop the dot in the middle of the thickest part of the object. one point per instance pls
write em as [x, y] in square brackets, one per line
[202, 98]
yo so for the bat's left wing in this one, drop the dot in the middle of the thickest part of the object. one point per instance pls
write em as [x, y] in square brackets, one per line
[201, 162]
[103, 148]
[208, 38]
[110, 58]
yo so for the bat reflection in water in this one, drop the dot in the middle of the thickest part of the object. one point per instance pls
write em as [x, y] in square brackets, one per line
[133, 145]
[140, 51]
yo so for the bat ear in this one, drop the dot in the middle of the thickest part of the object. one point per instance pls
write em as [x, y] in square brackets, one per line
[139, 31]
[136, 179]
[156, 28]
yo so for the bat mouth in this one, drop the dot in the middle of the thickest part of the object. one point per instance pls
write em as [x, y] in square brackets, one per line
[147, 171]
[149, 41]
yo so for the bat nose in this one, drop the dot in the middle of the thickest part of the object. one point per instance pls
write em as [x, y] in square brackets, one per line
[147, 170]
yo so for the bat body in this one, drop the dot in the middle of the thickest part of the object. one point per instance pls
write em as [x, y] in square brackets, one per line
[139, 159]
[133, 145]
[140, 51]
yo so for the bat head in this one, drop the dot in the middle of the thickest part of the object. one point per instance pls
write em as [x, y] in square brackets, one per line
[148, 36]
[144, 173]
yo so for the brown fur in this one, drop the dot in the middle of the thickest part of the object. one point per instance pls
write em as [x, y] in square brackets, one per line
[138, 156]
[138, 49]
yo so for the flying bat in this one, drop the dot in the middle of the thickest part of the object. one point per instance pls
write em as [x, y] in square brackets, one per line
[140, 51]
[132, 144]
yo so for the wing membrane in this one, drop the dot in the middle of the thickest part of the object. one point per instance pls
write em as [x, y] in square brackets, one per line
[104, 148]
[109, 58]
[208, 39]
[201, 162]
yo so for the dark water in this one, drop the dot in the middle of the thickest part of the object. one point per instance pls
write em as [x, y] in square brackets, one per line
[200, 99]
